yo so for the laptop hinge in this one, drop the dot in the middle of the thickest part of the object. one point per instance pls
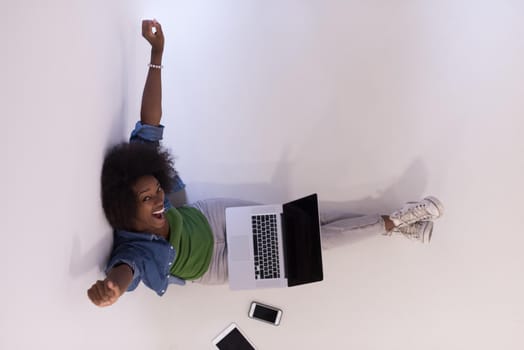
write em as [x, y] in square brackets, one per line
[284, 247]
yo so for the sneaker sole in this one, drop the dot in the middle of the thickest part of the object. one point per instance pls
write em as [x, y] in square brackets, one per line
[438, 204]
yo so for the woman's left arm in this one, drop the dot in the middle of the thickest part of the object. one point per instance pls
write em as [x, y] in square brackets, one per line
[151, 110]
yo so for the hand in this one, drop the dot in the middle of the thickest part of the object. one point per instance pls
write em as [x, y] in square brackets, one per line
[104, 293]
[155, 38]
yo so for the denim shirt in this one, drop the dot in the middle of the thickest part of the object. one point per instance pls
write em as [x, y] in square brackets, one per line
[150, 256]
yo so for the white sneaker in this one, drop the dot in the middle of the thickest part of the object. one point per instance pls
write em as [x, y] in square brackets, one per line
[420, 231]
[430, 208]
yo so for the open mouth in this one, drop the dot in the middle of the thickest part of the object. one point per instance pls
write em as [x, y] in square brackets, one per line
[159, 214]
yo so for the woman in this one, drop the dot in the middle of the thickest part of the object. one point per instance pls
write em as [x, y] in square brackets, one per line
[158, 244]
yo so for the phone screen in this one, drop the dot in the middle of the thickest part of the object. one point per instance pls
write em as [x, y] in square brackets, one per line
[265, 314]
[234, 340]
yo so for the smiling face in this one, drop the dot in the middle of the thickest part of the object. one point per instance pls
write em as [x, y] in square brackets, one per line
[150, 215]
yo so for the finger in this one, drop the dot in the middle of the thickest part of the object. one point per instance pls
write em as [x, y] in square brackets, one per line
[146, 23]
[94, 295]
[113, 288]
[112, 293]
[102, 291]
[110, 285]
[146, 27]
[157, 26]
[106, 303]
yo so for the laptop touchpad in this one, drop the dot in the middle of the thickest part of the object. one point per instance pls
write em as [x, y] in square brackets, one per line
[239, 248]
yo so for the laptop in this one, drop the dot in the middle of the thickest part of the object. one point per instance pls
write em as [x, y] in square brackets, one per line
[274, 246]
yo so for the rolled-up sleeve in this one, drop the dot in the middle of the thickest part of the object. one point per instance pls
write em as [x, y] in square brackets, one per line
[147, 133]
[153, 135]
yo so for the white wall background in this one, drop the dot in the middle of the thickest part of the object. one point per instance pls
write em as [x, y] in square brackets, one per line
[377, 102]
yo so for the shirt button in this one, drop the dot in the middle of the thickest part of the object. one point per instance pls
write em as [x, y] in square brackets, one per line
[162, 291]
[172, 248]
[170, 263]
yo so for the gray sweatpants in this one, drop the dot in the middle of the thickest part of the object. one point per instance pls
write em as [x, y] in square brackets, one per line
[337, 228]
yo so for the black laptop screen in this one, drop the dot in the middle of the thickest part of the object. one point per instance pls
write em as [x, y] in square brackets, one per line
[303, 252]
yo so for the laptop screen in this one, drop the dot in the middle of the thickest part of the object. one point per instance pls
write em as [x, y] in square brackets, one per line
[302, 249]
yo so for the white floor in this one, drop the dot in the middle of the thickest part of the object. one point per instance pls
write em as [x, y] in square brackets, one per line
[374, 103]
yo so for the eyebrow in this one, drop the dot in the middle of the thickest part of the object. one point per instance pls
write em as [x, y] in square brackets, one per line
[148, 189]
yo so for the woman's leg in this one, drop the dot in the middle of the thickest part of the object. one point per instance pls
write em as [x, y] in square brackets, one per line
[339, 227]
[413, 220]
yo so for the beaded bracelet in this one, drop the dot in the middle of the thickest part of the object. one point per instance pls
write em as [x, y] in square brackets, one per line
[156, 66]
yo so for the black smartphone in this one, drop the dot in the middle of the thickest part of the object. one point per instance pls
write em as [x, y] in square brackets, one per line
[266, 313]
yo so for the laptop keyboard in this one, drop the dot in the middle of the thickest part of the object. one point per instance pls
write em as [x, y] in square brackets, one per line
[265, 246]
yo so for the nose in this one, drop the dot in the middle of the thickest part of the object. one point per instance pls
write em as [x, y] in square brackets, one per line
[159, 198]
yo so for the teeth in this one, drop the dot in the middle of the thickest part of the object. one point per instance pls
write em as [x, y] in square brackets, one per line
[159, 211]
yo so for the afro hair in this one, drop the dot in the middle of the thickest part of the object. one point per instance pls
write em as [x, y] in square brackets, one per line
[123, 165]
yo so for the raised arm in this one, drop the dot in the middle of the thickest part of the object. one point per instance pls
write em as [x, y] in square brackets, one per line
[151, 110]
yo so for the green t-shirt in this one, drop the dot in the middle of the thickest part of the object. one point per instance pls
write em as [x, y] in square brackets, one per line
[192, 239]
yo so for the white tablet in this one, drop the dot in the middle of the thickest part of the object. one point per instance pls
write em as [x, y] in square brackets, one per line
[232, 338]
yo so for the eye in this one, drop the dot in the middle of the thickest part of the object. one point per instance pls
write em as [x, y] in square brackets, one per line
[159, 189]
[146, 198]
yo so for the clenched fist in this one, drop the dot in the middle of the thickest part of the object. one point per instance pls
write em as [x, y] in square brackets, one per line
[152, 32]
[104, 293]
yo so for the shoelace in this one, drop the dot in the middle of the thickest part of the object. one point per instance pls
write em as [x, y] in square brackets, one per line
[413, 211]
[420, 231]
[411, 231]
